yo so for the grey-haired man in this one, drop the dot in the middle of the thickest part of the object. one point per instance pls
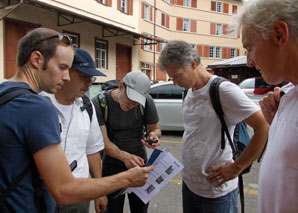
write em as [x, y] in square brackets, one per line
[122, 130]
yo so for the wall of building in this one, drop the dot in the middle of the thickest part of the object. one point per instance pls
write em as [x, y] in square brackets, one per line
[87, 31]
[202, 20]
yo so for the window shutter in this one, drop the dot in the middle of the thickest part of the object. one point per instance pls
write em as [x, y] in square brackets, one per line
[158, 46]
[212, 28]
[167, 21]
[193, 26]
[179, 25]
[225, 29]
[226, 8]
[224, 52]
[200, 50]
[142, 42]
[130, 7]
[119, 5]
[229, 52]
[206, 51]
[194, 3]
[213, 6]
[180, 2]
[238, 52]
[173, 1]
[151, 13]
[109, 3]
[163, 19]
[143, 10]
[150, 41]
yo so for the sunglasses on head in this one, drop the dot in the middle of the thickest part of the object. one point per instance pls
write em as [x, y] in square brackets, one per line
[61, 37]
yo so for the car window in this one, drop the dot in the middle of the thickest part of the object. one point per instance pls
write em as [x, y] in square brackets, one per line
[260, 83]
[247, 84]
[168, 91]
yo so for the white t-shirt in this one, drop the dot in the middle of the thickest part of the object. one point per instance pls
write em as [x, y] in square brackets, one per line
[278, 177]
[202, 135]
[79, 136]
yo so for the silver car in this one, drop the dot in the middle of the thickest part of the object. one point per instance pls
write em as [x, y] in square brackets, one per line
[168, 101]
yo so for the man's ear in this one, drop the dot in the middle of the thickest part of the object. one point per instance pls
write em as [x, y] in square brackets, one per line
[36, 59]
[120, 85]
[194, 64]
[280, 33]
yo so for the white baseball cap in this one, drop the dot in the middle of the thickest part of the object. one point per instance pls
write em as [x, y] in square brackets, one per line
[137, 86]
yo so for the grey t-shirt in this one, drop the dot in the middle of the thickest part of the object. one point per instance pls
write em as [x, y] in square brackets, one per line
[125, 129]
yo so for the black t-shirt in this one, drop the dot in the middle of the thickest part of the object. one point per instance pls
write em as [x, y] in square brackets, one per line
[125, 129]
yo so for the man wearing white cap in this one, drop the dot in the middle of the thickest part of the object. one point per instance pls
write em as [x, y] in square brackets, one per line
[122, 114]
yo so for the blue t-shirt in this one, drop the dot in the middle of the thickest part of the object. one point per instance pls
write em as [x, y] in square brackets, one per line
[28, 123]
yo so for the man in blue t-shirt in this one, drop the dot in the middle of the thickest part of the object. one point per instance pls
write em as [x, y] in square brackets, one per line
[30, 133]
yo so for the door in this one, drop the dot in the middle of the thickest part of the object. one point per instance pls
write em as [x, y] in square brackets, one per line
[123, 60]
[14, 31]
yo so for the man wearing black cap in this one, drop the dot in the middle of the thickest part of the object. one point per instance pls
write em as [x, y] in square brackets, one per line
[128, 109]
[80, 134]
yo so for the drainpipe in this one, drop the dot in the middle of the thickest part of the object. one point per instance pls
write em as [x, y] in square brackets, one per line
[10, 9]
[154, 46]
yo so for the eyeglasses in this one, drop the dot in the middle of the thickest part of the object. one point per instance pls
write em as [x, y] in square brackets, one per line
[62, 37]
[87, 78]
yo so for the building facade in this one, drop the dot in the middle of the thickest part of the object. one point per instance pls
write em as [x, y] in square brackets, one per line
[122, 35]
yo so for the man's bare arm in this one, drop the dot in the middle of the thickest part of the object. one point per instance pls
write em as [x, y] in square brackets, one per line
[66, 189]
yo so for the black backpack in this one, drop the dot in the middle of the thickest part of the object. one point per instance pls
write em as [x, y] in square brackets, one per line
[87, 106]
[36, 182]
[237, 144]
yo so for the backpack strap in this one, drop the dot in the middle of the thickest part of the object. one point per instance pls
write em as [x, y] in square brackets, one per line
[215, 100]
[103, 104]
[5, 98]
[88, 106]
[13, 93]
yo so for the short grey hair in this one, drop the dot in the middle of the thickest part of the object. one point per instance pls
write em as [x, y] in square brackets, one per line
[178, 53]
[260, 15]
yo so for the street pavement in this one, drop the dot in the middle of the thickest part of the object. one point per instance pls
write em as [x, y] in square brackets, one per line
[169, 199]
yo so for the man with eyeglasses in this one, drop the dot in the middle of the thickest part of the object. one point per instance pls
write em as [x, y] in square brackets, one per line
[81, 138]
[30, 133]
[127, 110]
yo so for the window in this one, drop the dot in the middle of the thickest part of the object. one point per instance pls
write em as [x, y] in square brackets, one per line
[218, 29]
[218, 52]
[233, 52]
[146, 41]
[234, 9]
[163, 44]
[124, 6]
[146, 68]
[147, 12]
[75, 38]
[186, 3]
[168, 91]
[186, 24]
[102, 1]
[219, 7]
[211, 52]
[214, 52]
[101, 53]
[194, 46]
